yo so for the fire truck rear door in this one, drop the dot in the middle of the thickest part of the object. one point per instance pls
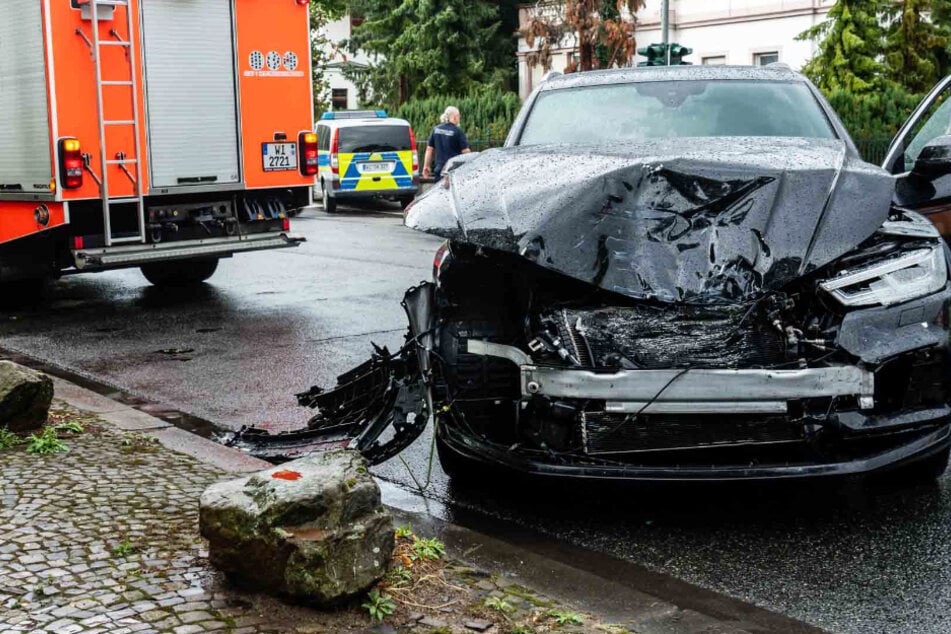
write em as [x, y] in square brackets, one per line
[25, 163]
[190, 88]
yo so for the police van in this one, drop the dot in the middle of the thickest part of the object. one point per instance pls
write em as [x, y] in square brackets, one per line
[363, 155]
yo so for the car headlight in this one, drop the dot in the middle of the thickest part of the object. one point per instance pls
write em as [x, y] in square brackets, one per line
[913, 274]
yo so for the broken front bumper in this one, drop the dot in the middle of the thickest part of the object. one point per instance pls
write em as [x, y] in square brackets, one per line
[719, 424]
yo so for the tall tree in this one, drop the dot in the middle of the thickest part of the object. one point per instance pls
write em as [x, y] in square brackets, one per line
[941, 16]
[849, 44]
[914, 44]
[423, 48]
[600, 32]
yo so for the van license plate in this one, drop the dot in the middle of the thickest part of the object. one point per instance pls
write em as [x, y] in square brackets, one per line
[279, 157]
[376, 168]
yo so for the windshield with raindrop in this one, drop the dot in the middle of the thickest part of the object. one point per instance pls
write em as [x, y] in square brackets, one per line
[663, 109]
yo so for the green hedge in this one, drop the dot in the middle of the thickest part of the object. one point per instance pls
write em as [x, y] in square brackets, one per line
[876, 115]
[486, 117]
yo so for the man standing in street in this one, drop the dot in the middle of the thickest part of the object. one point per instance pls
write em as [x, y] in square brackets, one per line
[446, 141]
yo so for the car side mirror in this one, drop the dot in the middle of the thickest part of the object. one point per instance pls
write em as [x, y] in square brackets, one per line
[935, 158]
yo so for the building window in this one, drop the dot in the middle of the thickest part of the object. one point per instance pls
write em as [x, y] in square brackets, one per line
[763, 59]
[339, 98]
[714, 60]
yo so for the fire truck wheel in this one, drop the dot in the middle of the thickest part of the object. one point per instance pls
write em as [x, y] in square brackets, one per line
[183, 273]
[328, 201]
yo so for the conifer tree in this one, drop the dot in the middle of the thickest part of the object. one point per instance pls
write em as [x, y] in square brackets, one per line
[423, 48]
[914, 45]
[850, 42]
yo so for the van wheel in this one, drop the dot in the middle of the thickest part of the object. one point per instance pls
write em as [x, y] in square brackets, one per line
[406, 201]
[181, 273]
[328, 201]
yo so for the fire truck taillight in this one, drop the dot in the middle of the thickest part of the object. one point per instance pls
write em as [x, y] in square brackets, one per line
[307, 148]
[71, 163]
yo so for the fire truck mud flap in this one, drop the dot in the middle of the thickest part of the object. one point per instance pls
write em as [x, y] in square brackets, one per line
[378, 408]
[132, 255]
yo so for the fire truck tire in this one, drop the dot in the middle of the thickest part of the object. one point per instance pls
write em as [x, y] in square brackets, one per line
[182, 273]
[329, 202]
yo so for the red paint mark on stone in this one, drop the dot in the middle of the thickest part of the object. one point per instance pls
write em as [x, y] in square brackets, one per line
[286, 475]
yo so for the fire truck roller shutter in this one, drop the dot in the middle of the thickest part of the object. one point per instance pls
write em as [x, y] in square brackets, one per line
[25, 163]
[190, 86]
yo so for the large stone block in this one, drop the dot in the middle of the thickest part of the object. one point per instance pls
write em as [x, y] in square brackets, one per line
[314, 528]
[25, 397]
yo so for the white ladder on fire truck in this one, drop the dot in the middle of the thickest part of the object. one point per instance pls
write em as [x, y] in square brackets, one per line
[120, 158]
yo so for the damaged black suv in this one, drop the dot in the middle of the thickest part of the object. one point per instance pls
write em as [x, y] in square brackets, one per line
[676, 273]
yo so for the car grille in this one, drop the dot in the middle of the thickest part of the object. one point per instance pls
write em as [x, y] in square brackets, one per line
[605, 433]
[672, 336]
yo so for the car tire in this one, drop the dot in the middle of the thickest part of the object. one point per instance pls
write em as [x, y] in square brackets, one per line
[406, 201]
[329, 202]
[180, 273]
[927, 470]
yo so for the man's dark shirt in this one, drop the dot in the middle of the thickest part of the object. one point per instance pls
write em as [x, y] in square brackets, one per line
[447, 140]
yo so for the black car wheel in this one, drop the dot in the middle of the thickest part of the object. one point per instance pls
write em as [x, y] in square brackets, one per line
[181, 273]
[328, 201]
[406, 201]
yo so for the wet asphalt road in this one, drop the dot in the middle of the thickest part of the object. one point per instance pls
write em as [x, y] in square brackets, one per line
[846, 557]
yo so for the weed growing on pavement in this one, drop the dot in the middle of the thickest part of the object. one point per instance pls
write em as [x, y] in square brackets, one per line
[8, 439]
[521, 629]
[404, 532]
[124, 549]
[46, 443]
[69, 426]
[380, 605]
[133, 442]
[430, 548]
[498, 604]
[566, 617]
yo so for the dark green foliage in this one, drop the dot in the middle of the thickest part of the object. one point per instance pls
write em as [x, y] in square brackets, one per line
[850, 41]
[915, 45]
[424, 48]
[877, 115]
[486, 116]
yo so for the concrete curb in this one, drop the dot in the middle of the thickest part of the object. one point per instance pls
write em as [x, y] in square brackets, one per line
[129, 419]
[618, 591]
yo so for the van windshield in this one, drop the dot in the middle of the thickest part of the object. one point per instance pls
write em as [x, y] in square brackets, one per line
[682, 108]
[374, 138]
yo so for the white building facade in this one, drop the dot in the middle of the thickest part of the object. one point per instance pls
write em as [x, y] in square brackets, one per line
[343, 92]
[733, 32]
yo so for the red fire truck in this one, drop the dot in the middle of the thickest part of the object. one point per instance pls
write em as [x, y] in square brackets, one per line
[161, 134]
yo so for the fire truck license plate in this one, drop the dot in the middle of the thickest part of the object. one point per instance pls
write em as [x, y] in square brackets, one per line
[279, 156]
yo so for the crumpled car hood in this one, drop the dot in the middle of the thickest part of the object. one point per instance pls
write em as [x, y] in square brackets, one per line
[687, 220]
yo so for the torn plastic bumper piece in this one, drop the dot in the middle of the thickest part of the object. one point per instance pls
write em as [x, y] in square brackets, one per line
[389, 391]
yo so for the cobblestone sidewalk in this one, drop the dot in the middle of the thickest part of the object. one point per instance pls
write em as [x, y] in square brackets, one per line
[104, 538]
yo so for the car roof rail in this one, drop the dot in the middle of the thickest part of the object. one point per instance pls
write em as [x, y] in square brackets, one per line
[552, 74]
